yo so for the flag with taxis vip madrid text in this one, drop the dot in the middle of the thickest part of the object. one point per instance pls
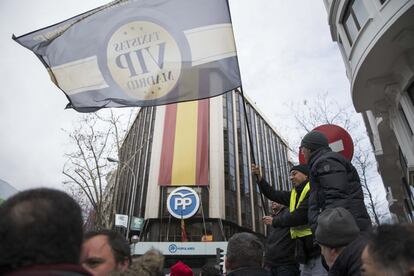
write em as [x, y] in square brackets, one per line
[140, 53]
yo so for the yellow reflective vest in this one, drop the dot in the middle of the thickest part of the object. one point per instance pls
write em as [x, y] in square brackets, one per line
[302, 230]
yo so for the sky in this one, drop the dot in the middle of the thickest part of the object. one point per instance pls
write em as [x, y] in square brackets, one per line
[285, 54]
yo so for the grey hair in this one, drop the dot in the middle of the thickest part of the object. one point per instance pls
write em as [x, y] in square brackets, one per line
[244, 250]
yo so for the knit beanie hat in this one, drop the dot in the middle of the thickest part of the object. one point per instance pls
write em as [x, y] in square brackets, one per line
[301, 168]
[336, 228]
[180, 269]
[314, 140]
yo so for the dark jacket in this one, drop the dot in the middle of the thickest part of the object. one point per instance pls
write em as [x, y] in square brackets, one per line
[305, 247]
[279, 247]
[249, 271]
[51, 270]
[335, 183]
[349, 262]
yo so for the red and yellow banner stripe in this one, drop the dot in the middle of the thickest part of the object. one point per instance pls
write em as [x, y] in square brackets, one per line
[185, 147]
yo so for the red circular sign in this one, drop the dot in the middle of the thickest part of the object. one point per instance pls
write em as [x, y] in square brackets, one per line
[339, 141]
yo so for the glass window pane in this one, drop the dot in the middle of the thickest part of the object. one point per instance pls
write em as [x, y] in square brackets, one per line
[405, 120]
[351, 29]
[360, 12]
[410, 92]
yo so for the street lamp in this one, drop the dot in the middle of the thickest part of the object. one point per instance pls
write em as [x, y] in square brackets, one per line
[134, 186]
[134, 240]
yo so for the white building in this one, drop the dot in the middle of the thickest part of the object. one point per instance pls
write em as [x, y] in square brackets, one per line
[376, 40]
[207, 140]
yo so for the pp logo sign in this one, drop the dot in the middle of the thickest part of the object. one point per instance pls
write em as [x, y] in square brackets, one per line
[172, 248]
[183, 203]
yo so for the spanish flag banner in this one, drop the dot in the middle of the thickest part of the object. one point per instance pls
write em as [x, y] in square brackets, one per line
[185, 146]
[140, 53]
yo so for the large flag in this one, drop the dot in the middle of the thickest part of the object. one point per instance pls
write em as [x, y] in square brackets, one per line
[140, 53]
[185, 144]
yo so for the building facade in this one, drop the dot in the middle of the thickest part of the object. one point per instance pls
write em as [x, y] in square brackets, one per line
[107, 200]
[376, 40]
[203, 145]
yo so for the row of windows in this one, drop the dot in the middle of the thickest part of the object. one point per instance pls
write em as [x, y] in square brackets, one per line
[355, 16]
[268, 151]
[196, 230]
[409, 200]
[134, 167]
[406, 110]
[406, 150]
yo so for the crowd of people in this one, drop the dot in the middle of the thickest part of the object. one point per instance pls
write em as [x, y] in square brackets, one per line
[41, 233]
[320, 227]
[330, 229]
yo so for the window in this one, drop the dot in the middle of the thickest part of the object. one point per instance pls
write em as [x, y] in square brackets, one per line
[355, 16]
[405, 120]
[410, 92]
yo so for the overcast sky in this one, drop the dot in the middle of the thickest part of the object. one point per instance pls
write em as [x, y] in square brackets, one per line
[285, 53]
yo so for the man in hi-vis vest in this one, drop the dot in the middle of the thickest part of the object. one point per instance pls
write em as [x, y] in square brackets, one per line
[307, 253]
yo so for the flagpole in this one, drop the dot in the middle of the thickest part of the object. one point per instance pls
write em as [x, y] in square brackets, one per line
[183, 231]
[264, 209]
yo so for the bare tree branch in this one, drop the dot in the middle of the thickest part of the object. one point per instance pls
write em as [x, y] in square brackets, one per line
[86, 167]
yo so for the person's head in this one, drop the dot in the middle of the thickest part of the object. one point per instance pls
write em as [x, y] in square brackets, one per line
[39, 226]
[243, 250]
[104, 251]
[180, 269]
[390, 251]
[336, 229]
[311, 142]
[149, 264]
[299, 174]
[209, 270]
[152, 261]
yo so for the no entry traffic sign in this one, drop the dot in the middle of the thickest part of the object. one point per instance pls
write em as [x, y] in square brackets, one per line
[339, 141]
